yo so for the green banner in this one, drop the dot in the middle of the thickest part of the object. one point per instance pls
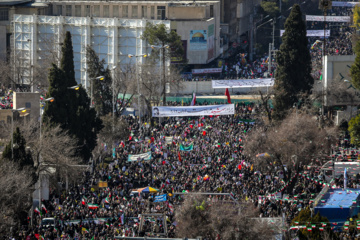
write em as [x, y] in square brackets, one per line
[186, 148]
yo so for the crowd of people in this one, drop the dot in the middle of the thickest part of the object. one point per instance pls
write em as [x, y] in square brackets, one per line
[215, 163]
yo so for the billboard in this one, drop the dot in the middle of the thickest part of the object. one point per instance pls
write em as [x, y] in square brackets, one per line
[198, 40]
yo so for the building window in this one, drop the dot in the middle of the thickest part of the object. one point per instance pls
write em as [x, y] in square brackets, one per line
[125, 11]
[28, 105]
[152, 12]
[134, 11]
[115, 11]
[4, 14]
[68, 10]
[97, 11]
[87, 10]
[78, 10]
[106, 11]
[161, 12]
[143, 11]
[211, 11]
[59, 10]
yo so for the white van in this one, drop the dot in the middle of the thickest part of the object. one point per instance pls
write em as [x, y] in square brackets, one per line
[48, 222]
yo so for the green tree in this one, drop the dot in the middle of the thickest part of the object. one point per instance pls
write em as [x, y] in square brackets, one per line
[71, 109]
[356, 20]
[270, 7]
[354, 130]
[21, 157]
[304, 219]
[160, 36]
[292, 78]
[67, 60]
[102, 94]
[355, 68]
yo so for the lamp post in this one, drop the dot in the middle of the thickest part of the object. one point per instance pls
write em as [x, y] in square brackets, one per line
[113, 101]
[138, 84]
[12, 129]
[76, 87]
[162, 67]
[51, 99]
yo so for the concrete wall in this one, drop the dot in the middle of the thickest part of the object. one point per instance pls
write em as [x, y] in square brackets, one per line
[336, 71]
[31, 101]
[187, 12]
[206, 88]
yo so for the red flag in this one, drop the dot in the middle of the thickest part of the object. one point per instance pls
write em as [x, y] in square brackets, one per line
[228, 96]
[179, 156]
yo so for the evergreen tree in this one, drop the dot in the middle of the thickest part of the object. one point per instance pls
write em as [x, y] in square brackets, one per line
[58, 112]
[102, 93]
[355, 68]
[71, 108]
[87, 125]
[20, 156]
[67, 61]
[292, 77]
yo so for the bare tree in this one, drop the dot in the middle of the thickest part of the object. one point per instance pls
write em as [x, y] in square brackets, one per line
[108, 136]
[15, 197]
[54, 150]
[125, 83]
[295, 141]
[199, 216]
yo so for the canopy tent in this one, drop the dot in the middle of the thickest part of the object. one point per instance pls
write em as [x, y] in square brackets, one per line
[147, 190]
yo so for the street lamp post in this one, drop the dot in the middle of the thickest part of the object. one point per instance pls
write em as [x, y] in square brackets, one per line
[113, 101]
[138, 84]
[51, 99]
[162, 67]
[12, 129]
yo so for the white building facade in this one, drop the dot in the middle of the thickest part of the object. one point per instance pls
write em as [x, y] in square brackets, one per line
[36, 39]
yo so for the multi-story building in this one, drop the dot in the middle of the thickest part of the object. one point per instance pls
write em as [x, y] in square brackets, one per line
[197, 22]
[7, 9]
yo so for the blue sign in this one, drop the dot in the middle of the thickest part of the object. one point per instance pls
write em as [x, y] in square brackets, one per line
[161, 198]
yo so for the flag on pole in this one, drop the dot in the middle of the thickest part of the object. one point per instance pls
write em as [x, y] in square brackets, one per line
[227, 94]
[193, 101]
[37, 211]
[83, 200]
[43, 208]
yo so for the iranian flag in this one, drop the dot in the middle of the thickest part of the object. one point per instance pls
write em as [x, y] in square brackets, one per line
[44, 208]
[37, 211]
[309, 229]
[92, 206]
[107, 200]
[193, 101]
[358, 227]
[321, 228]
[83, 200]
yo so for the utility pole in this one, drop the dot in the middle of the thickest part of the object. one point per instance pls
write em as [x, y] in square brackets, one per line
[251, 24]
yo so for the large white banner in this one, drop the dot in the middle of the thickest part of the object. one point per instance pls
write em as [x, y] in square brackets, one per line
[243, 83]
[344, 4]
[139, 157]
[227, 109]
[313, 33]
[320, 18]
